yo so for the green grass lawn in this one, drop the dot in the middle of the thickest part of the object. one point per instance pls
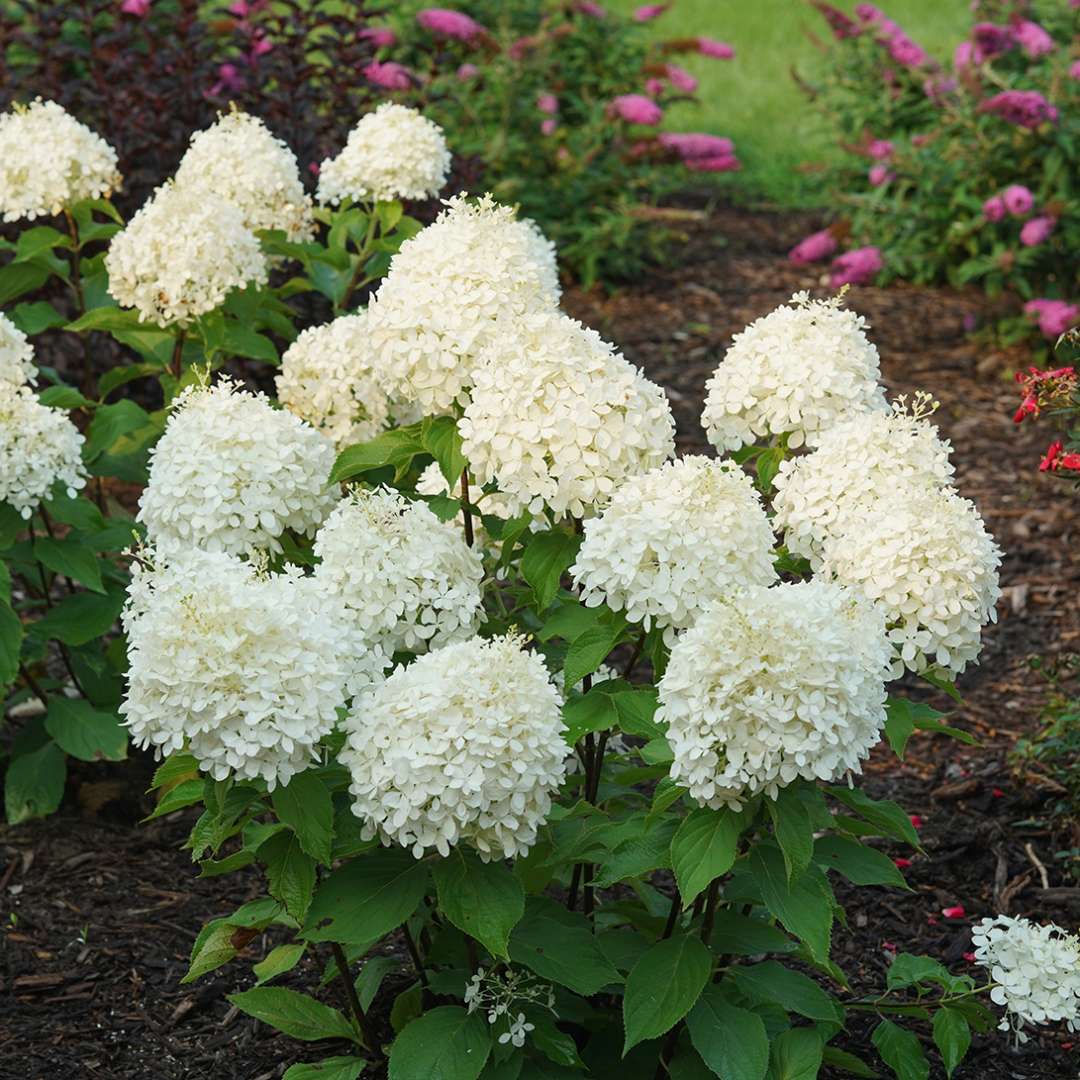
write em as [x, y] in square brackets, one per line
[754, 100]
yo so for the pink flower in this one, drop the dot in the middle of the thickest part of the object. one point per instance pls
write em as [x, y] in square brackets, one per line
[813, 248]
[139, 8]
[717, 50]
[467, 72]
[1018, 200]
[548, 103]
[994, 208]
[442, 22]
[916, 821]
[841, 25]
[869, 13]
[696, 146]
[1074, 70]
[902, 863]
[260, 46]
[880, 149]
[1025, 108]
[991, 40]
[955, 912]
[548, 126]
[523, 45]
[1033, 39]
[1037, 231]
[855, 267]
[649, 11]
[390, 75]
[937, 87]
[637, 109]
[1054, 316]
[229, 80]
[880, 175]
[889, 947]
[681, 79]
[587, 7]
[717, 163]
[382, 37]
[969, 957]
[965, 55]
[655, 87]
[906, 52]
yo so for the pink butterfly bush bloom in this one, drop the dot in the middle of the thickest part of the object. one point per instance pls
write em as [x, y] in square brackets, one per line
[717, 50]
[965, 55]
[467, 72]
[649, 11]
[547, 127]
[229, 80]
[382, 37]
[1037, 231]
[681, 79]
[841, 25]
[813, 248]
[139, 8]
[880, 175]
[855, 267]
[1025, 108]
[655, 87]
[587, 7]
[991, 40]
[442, 22]
[548, 103]
[1033, 39]
[1074, 70]
[869, 13]
[994, 208]
[938, 87]
[389, 75]
[716, 164]
[906, 52]
[1053, 316]
[637, 109]
[700, 152]
[880, 149]
[1018, 200]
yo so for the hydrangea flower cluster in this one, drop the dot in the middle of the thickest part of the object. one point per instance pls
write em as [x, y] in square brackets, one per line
[181, 254]
[773, 684]
[245, 669]
[39, 447]
[673, 541]
[231, 473]
[794, 372]
[49, 161]
[463, 745]
[330, 378]
[557, 418]
[408, 581]
[1036, 968]
[500, 994]
[392, 153]
[16, 355]
[450, 289]
[242, 162]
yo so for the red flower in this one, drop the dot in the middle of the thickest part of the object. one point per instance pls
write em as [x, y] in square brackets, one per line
[955, 912]
[1050, 461]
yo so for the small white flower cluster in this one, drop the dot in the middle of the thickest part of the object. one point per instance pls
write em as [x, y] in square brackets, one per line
[1036, 968]
[772, 684]
[861, 461]
[181, 255]
[392, 153]
[454, 286]
[16, 355]
[239, 160]
[794, 372]
[558, 418]
[464, 744]
[408, 581]
[231, 473]
[673, 541]
[330, 377]
[499, 994]
[244, 668]
[49, 161]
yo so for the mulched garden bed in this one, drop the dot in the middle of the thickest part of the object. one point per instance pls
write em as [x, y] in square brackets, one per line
[97, 914]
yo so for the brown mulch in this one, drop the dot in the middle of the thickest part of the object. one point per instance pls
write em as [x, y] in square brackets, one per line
[97, 915]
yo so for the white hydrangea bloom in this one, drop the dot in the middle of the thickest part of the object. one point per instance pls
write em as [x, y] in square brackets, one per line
[925, 558]
[49, 161]
[244, 669]
[451, 289]
[239, 159]
[772, 684]
[463, 745]
[408, 580]
[858, 461]
[558, 418]
[330, 378]
[231, 473]
[16, 355]
[795, 371]
[181, 254]
[544, 256]
[39, 447]
[1037, 969]
[392, 153]
[674, 540]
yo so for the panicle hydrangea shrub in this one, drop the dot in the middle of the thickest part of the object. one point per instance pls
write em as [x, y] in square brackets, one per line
[16, 355]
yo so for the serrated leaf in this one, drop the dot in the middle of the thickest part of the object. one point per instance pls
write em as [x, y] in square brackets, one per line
[804, 907]
[211, 951]
[440, 438]
[70, 558]
[84, 732]
[11, 635]
[793, 829]
[294, 1013]
[80, 618]
[847, 1062]
[548, 555]
[34, 783]
[290, 872]
[395, 448]
[586, 713]
[332, 1068]
[901, 1051]
[731, 1041]
[587, 652]
[483, 900]
[278, 960]
[859, 863]
[704, 847]
[796, 1055]
[770, 981]
[885, 815]
[952, 1037]
[305, 805]
[446, 1043]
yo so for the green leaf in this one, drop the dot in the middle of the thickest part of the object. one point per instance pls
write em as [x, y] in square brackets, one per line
[34, 783]
[371, 976]
[554, 1044]
[84, 732]
[408, 1005]
[636, 709]
[731, 1041]
[639, 855]
[796, 1055]
[548, 555]
[704, 847]
[38, 241]
[483, 900]
[63, 397]
[187, 793]
[79, 513]
[859, 863]
[805, 907]
[70, 558]
[586, 713]
[279, 960]
[901, 1051]
[107, 318]
[305, 805]
[290, 872]
[559, 946]
[446, 1043]
[12, 524]
[793, 829]
[909, 970]
[886, 816]
[80, 618]
[333, 1068]
[240, 340]
[294, 1013]
[740, 935]
[213, 948]
[952, 1037]
[118, 376]
[568, 621]
[841, 1059]
[366, 898]
[396, 448]
[663, 987]
[11, 635]
[15, 280]
[905, 717]
[110, 423]
[588, 652]
[33, 318]
[791, 990]
[439, 437]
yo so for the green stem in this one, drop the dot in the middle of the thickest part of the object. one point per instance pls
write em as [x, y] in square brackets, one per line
[417, 960]
[710, 910]
[466, 507]
[80, 301]
[353, 999]
[178, 356]
[32, 683]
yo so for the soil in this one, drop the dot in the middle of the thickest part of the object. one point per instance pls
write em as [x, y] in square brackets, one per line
[99, 913]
